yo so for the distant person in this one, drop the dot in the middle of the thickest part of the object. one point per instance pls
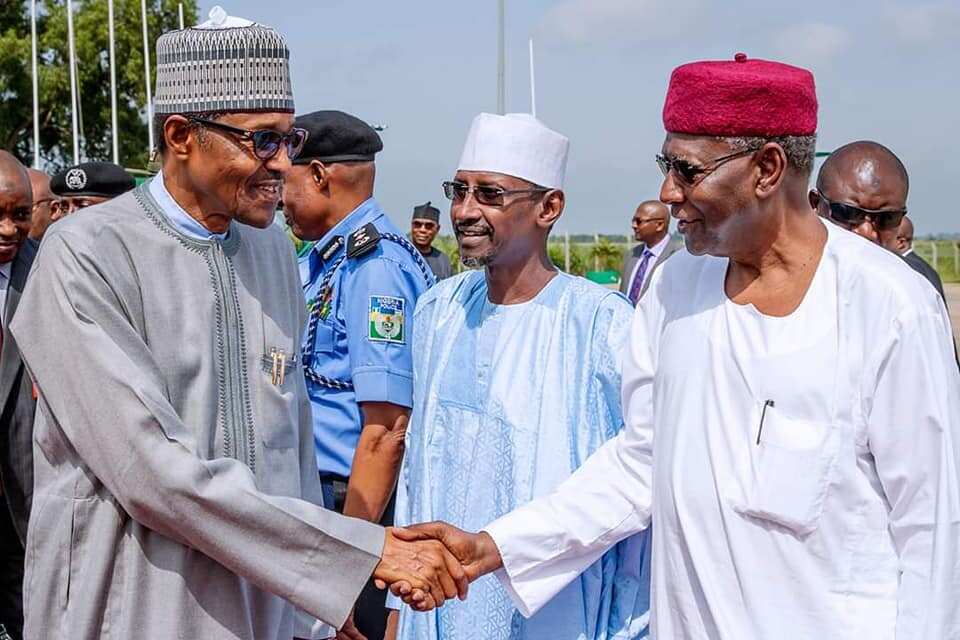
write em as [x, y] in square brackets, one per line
[16, 392]
[89, 183]
[651, 228]
[423, 230]
[46, 206]
[921, 266]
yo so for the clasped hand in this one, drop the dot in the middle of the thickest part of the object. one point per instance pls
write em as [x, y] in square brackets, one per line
[427, 564]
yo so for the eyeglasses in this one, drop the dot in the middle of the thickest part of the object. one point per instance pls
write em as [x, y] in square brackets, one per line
[690, 173]
[640, 221]
[266, 142]
[485, 195]
[851, 216]
[424, 224]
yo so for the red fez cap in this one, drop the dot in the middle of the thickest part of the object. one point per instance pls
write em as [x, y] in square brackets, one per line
[741, 98]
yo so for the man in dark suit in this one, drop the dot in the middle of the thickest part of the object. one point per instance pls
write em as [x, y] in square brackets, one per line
[651, 228]
[16, 391]
[921, 266]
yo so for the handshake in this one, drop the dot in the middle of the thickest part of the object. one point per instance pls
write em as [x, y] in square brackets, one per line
[427, 564]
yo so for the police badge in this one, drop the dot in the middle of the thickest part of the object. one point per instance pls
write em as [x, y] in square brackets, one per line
[386, 319]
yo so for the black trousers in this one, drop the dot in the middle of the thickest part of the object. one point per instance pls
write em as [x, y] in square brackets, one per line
[11, 576]
[370, 613]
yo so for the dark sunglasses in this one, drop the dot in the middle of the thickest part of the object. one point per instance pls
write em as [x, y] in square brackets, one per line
[851, 216]
[690, 173]
[485, 195]
[266, 142]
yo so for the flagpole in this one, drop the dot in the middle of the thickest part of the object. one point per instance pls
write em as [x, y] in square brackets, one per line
[146, 76]
[36, 85]
[73, 83]
[533, 84]
[501, 59]
[113, 86]
[180, 13]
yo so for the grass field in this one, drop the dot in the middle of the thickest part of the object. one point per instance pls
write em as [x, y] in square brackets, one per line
[948, 257]
[607, 254]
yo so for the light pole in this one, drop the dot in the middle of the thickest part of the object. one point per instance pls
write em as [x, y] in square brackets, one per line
[36, 85]
[533, 84]
[73, 84]
[113, 85]
[146, 77]
[501, 59]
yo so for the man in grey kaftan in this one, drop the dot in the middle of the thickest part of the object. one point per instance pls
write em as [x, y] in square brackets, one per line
[155, 350]
[176, 491]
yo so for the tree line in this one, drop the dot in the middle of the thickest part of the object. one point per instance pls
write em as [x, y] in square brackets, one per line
[93, 77]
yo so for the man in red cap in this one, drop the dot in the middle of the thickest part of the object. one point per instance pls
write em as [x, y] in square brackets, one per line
[794, 494]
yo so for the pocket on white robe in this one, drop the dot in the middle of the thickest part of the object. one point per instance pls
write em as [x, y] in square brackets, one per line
[795, 461]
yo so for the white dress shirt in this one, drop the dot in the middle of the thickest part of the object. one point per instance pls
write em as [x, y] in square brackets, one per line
[839, 518]
[656, 250]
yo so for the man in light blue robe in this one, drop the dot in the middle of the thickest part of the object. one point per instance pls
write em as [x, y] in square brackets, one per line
[517, 371]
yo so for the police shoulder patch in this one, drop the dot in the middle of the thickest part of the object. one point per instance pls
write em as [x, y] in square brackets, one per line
[363, 240]
[387, 322]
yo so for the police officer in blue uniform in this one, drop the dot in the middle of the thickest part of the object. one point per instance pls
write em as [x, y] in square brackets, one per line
[361, 281]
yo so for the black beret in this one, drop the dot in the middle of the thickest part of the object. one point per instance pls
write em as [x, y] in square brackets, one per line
[336, 136]
[103, 179]
[426, 212]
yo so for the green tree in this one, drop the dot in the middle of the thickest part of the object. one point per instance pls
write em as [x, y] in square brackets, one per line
[609, 256]
[93, 77]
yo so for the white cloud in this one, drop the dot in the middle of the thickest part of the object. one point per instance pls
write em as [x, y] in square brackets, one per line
[924, 23]
[810, 44]
[619, 21]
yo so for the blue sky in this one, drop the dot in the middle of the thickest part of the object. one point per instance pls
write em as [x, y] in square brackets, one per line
[885, 70]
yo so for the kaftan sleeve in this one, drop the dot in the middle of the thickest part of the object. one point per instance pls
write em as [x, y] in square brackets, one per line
[101, 386]
[547, 543]
[306, 625]
[913, 430]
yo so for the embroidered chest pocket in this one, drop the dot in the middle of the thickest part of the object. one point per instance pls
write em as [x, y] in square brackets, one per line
[794, 465]
[279, 370]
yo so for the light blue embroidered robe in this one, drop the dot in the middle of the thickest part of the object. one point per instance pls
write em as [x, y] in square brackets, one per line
[508, 401]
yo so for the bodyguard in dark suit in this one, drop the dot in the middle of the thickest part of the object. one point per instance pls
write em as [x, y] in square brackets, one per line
[16, 391]
[651, 228]
[918, 264]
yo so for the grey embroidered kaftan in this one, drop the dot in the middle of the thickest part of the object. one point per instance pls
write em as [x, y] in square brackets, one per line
[176, 485]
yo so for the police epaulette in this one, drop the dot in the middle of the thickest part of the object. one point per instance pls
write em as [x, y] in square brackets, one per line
[331, 248]
[363, 240]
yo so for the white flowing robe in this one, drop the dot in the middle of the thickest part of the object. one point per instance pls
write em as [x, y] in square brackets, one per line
[839, 519]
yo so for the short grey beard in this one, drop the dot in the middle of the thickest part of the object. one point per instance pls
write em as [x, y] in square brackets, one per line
[478, 262]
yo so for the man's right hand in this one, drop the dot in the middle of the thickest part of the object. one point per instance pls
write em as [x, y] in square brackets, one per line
[477, 553]
[420, 570]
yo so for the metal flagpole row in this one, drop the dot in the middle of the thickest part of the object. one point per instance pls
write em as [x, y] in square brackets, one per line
[180, 13]
[73, 83]
[146, 76]
[36, 85]
[113, 86]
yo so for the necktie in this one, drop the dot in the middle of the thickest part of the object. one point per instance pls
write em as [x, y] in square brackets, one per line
[637, 285]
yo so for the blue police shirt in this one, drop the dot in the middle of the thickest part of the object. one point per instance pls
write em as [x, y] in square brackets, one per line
[365, 336]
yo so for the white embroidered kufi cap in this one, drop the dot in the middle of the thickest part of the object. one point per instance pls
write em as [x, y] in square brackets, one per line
[517, 145]
[223, 64]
